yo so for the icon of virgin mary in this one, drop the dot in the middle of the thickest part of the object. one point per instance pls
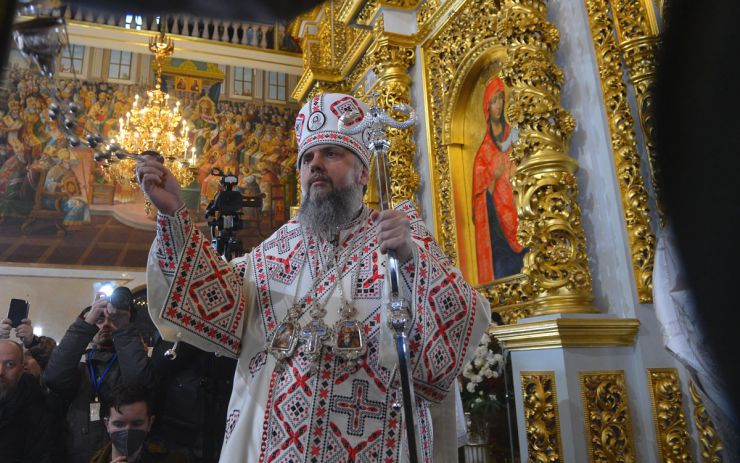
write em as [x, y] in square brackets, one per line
[498, 252]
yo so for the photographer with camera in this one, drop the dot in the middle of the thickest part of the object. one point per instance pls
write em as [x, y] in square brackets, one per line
[100, 350]
[224, 214]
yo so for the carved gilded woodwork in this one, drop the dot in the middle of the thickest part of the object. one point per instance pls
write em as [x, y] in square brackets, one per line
[428, 15]
[330, 54]
[608, 424]
[362, 12]
[391, 56]
[624, 149]
[294, 28]
[668, 415]
[544, 183]
[555, 277]
[710, 443]
[372, 7]
[541, 417]
[638, 41]
[368, 12]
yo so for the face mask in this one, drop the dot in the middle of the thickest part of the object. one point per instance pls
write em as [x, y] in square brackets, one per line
[128, 441]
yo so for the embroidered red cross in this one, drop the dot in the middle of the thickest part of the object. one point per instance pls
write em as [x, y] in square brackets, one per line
[357, 407]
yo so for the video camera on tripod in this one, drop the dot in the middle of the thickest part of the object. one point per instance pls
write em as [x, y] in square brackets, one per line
[224, 212]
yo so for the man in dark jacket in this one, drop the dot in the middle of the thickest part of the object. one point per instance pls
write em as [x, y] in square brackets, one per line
[84, 374]
[26, 427]
[192, 397]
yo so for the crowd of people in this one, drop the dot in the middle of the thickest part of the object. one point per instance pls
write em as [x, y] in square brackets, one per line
[102, 395]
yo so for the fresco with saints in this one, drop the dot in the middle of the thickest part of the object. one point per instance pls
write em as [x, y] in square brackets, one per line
[40, 173]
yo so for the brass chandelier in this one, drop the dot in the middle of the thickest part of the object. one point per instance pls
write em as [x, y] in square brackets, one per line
[156, 125]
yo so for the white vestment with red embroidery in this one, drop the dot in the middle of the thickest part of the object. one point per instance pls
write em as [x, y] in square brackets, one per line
[340, 413]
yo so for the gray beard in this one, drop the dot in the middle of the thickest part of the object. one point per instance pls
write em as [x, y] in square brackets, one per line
[325, 213]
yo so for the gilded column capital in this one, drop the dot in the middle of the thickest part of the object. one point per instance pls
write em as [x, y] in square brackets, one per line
[544, 182]
[559, 333]
[391, 55]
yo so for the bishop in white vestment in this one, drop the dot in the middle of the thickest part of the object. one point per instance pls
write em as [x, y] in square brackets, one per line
[304, 312]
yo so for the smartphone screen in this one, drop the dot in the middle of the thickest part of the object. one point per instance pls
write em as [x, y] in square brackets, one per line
[18, 311]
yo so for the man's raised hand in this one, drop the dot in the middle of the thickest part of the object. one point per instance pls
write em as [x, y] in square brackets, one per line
[97, 310]
[158, 184]
[5, 326]
[24, 331]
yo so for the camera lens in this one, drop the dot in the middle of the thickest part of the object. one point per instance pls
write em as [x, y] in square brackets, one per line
[121, 298]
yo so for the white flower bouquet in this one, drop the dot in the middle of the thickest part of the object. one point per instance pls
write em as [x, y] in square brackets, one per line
[483, 392]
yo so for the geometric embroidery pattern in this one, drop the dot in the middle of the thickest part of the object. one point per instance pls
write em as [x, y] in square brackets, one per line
[447, 303]
[338, 413]
[285, 269]
[357, 407]
[348, 105]
[205, 297]
[370, 280]
[231, 423]
[281, 239]
[257, 362]
[427, 439]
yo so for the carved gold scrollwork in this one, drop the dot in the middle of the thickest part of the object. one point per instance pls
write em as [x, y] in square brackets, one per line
[668, 415]
[362, 12]
[638, 41]
[544, 182]
[390, 58]
[541, 418]
[427, 16]
[711, 445]
[555, 277]
[330, 54]
[626, 158]
[607, 418]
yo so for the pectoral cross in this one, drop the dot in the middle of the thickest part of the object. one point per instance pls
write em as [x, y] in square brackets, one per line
[315, 334]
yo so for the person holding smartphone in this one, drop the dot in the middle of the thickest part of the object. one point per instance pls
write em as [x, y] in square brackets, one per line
[100, 350]
[18, 320]
[36, 349]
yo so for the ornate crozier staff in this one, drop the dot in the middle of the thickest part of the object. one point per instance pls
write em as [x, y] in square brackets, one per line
[373, 127]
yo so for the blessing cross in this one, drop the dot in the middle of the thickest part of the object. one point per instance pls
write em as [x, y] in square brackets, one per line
[373, 126]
